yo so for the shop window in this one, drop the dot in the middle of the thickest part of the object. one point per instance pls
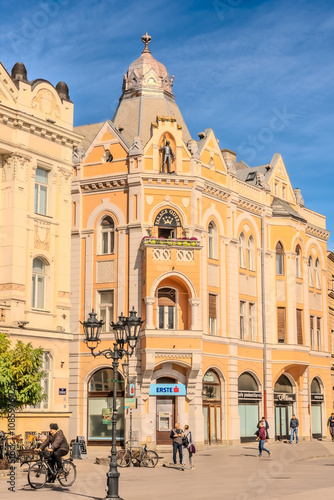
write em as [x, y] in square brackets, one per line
[38, 284]
[212, 240]
[106, 308]
[279, 259]
[299, 326]
[212, 314]
[41, 191]
[242, 245]
[100, 395]
[298, 262]
[310, 271]
[107, 235]
[251, 253]
[281, 325]
[317, 274]
[167, 308]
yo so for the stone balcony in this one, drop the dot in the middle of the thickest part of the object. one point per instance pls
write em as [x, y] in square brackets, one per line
[164, 249]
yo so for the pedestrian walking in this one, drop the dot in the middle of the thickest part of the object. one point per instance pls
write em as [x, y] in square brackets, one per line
[294, 424]
[264, 424]
[262, 440]
[330, 424]
[176, 435]
[190, 446]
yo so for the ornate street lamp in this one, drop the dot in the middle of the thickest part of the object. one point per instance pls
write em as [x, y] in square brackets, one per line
[126, 332]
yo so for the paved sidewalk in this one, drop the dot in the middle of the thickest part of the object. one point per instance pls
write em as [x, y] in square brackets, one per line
[296, 472]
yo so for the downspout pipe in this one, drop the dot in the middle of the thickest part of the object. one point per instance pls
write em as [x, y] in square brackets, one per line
[264, 332]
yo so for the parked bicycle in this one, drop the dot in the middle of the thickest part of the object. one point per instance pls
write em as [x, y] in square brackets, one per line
[41, 472]
[142, 456]
[8, 451]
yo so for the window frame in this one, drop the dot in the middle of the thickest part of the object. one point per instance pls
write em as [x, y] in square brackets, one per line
[212, 240]
[251, 253]
[298, 262]
[213, 319]
[106, 306]
[279, 249]
[46, 384]
[310, 271]
[252, 321]
[242, 251]
[317, 273]
[110, 232]
[166, 310]
[39, 185]
[36, 276]
[242, 321]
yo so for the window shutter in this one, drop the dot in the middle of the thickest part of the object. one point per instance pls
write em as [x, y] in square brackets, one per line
[212, 306]
[299, 327]
[281, 332]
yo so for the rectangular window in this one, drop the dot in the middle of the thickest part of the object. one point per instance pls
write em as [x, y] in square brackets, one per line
[281, 325]
[41, 191]
[284, 191]
[242, 320]
[45, 383]
[318, 339]
[251, 321]
[312, 331]
[106, 309]
[212, 314]
[299, 327]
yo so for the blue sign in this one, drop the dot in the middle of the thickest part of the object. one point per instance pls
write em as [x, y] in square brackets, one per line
[62, 392]
[168, 390]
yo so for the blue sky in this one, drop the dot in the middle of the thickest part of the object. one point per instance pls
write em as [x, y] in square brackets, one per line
[237, 65]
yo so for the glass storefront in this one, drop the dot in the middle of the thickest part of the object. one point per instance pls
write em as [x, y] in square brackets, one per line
[317, 399]
[100, 400]
[211, 394]
[248, 406]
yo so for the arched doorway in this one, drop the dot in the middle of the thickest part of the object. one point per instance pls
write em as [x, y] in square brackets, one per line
[166, 411]
[211, 394]
[248, 406]
[100, 393]
[284, 398]
[317, 399]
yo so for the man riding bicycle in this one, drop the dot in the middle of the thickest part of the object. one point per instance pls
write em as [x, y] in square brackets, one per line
[58, 444]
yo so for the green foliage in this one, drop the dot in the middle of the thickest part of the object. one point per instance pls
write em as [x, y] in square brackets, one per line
[20, 366]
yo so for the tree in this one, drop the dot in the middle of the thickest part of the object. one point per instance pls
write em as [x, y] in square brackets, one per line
[21, 370]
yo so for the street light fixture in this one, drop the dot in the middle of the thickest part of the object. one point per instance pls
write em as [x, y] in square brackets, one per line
[126, 332]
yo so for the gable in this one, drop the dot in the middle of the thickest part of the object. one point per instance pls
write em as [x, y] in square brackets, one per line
[279, 181]
[8, 91]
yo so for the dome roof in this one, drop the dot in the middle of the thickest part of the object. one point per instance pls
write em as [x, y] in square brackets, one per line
[62, 90]
[146, 72]
[19, 72]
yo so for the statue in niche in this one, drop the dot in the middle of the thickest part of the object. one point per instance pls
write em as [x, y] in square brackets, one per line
[168, 156]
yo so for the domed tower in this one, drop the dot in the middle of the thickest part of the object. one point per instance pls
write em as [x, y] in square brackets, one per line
[147, 93]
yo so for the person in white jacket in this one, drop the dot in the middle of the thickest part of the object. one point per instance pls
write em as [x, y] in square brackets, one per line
[187, 432]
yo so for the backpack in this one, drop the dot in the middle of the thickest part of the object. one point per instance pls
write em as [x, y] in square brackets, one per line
[185, 441]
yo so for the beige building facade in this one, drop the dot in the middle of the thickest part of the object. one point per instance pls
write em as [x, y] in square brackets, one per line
[36, 144]
[223, 261]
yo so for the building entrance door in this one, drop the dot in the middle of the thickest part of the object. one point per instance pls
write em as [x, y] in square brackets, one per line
[212, 423]
[283, 414]
[165, 418]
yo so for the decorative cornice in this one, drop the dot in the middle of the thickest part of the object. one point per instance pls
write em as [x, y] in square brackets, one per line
[103, 184]
[317, 231]
[251, 206]
[216, 191]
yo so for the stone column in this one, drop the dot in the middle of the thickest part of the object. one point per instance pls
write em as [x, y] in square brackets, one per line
[149, 301]
[195, 303]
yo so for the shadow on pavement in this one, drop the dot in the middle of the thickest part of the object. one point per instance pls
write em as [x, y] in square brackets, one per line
[173, 467]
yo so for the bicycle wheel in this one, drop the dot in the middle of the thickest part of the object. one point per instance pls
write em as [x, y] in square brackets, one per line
[37, 474]
[70, 473]
[123, 458]
[150, 458]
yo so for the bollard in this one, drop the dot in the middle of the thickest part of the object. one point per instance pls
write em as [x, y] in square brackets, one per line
[76, 451]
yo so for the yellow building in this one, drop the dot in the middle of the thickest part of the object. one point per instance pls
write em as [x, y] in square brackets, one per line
[36, 144]
[330, 288]
[223, 262]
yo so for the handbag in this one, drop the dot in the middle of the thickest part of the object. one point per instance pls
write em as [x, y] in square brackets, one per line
[192, 448]
[185, 441]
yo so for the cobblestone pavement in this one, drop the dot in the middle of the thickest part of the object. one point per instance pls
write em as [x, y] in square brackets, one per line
[303, 471]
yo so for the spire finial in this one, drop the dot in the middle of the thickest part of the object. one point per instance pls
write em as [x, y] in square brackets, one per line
[146, 39]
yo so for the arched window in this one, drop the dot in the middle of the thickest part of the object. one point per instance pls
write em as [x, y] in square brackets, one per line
[310, 271]
[38, 284]
[315, 387]
[298, 262]
[279, 259]
[100, 396]
[317, 274]
[246, 382]
[107, 235]
[167, 308]
[283, 384]
[251, 253]
[212, 240]
[242, 248]
[211, 386]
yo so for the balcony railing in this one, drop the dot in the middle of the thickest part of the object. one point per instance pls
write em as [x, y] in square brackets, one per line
[148, 241]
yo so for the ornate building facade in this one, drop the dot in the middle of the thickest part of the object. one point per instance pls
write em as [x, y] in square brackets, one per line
[224, 263]
[36, 144]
